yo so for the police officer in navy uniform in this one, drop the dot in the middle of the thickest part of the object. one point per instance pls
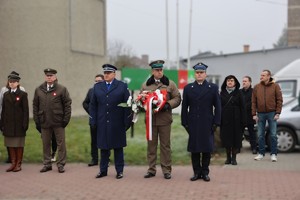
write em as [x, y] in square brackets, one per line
[113, 119]
[200, 113]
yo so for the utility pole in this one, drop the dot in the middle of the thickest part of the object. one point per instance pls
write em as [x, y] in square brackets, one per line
[177, 32]
[190, 33]
[167, 36]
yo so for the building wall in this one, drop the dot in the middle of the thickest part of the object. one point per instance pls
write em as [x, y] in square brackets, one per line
[294, 23]
[251, 63]
[67, 35]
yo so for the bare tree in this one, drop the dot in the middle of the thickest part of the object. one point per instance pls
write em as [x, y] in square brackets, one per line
[283, 39]
[120, 54]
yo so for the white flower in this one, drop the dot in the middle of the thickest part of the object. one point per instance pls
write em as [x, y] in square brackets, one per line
[129, 101]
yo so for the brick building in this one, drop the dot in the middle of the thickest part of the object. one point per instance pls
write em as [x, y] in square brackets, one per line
[293, 22]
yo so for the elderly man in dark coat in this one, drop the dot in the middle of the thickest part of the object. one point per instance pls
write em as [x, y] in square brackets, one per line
[113, 119]
[200, 113]
[51, 114]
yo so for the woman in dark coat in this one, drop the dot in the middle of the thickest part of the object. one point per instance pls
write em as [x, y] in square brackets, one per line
[14, 121]
[232, 118]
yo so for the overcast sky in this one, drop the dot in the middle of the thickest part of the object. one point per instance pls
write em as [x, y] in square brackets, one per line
[217, 25]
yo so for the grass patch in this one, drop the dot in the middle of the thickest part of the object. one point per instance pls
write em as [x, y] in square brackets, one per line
[78, 144]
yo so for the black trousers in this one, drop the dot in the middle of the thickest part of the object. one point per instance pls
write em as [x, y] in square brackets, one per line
[118, 158]
[201, 166]
[94, 148]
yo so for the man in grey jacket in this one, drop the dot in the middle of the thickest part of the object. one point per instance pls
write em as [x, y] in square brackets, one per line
[52, 113]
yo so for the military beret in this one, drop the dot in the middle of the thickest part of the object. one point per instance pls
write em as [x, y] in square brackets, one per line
[109, 68]
[157, 64]
[14, 76]
[200, 67]
[50, 71]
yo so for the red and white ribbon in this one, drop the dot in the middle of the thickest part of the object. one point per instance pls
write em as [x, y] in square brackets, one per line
[148, 99]
[149, 118]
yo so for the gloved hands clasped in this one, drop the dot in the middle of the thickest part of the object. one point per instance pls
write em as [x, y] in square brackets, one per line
[166, 107]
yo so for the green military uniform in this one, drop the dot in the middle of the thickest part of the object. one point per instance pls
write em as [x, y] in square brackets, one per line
[161, 121]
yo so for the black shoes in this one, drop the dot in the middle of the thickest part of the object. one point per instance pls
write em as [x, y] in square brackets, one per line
[227, 161]
[196, 177]
[101, 174]
[61, 169]
[119, 175]
[205, 178]
[49, 168]
[92, 163]
[167, 176]
[46, 168]
[233, 162]
[149, 175]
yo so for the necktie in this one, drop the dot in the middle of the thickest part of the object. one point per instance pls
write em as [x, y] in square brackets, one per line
[108, 86]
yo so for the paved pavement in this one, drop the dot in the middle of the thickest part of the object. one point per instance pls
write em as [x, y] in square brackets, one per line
[257, 180]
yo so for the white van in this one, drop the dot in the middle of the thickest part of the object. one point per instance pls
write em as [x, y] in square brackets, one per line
[289, 80]
[288, 125]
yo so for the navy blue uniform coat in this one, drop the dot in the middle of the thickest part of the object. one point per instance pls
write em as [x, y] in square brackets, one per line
[201, 109]
[110, 118]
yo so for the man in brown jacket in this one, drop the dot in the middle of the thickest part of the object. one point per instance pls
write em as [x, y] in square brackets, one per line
[52, 113]
[266, 106]
[161, 121]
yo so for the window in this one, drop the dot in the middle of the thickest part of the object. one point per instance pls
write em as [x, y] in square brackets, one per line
[288, 88]
[213, 79]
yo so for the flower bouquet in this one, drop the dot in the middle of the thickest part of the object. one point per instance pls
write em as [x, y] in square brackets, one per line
[150, 101]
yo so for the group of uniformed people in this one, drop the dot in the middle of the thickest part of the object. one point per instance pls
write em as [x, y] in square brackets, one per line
[200, 114]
